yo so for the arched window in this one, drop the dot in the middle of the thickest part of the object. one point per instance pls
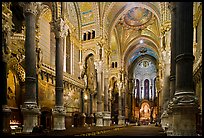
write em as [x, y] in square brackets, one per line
[84, 37]
[116, 64]
[68, 53]
[138, 89]
[112, 64]
[89, 35]
[146, 89]
[154, 88]
[93, 34]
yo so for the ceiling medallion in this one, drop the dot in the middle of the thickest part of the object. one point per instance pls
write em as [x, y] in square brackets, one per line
[137, 18]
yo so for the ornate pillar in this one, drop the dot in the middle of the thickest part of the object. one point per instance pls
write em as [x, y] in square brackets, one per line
[130, 83]
[184, 101]
[107, 113]
[99, 114]
[5, 55]
[30, 109]
[59, 111]
[121, 119]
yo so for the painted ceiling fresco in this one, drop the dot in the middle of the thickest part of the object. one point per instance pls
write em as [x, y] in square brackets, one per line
[137, 16]
[87, 13]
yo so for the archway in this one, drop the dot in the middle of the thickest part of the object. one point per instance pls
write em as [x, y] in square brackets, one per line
[46, 118]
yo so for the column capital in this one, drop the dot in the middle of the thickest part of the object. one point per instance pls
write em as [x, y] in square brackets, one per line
[59, 110]
[60, 28]
[172, 6]
[29, 7]
[30, 108]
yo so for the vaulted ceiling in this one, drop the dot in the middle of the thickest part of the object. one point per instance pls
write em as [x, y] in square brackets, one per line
[123, 24]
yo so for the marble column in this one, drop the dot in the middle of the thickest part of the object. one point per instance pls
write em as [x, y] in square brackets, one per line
[5, 55]
[65, 55]
[59, 111]
[184, 101]
[121, 119]
[107, 113]
[30, 109]
[130, 83]
[172, 67]
[99, 113]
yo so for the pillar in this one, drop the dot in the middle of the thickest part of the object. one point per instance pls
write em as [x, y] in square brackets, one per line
[65, 55]
[119, 104]
[59, 111]
[130, 83]
[30, 109]
[99, 114]
[107, 113]
[121, 119]
[184, 101]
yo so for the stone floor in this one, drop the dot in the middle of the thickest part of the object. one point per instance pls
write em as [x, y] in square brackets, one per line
[116, 130]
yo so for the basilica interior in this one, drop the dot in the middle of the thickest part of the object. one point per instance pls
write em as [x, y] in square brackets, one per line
[73, 64]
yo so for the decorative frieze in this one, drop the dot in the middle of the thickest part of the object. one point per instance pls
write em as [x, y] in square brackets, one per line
[182, 99]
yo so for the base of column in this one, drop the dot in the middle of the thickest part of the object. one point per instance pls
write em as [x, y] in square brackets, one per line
[169, 131]
[99, 119]
[106, 118]
[82, 120]
[164, 120]
[6, 112]
[184, 115]
[121, 120]
[59, 118]
[30, 116]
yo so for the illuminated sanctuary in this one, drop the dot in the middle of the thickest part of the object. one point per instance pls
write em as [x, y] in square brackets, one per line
[73, 64]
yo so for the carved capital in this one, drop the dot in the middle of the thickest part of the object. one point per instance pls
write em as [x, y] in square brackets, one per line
[29, 7]
[172, 6]
[6, 109]
[30, 108]
[59, 110]
[99, 115]
[60, 28]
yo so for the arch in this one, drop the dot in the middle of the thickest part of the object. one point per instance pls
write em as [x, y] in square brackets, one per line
[134, 46]
[86, 53]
